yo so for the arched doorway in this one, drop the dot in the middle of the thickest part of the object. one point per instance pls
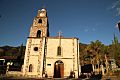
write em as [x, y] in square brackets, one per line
[59, 69]
[38, 33]
[30, 68]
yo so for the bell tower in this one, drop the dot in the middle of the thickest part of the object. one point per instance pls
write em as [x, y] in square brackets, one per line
[40, 25]
[35, 47]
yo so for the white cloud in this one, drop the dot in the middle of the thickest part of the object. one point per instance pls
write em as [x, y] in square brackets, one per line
[90, 30]
[118, 11]
[116, 6]
[93, 29]
[86, 30]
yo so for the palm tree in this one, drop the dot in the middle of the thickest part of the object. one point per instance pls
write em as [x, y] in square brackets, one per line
[94, 50]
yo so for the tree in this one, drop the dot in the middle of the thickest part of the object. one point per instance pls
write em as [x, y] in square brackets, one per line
[1, 52]
[114, 49]
[94, 51]
[82, 52]
[95, 48]
[21, 52]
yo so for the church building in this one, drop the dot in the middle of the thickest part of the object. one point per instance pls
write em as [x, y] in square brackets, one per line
[54, 57]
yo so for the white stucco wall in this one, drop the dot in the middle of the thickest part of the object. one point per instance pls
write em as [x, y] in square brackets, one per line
[69, 51]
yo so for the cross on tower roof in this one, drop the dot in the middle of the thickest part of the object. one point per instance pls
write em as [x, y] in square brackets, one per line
[59, 34]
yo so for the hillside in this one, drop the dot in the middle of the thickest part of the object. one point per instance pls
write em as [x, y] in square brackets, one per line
[86, 51]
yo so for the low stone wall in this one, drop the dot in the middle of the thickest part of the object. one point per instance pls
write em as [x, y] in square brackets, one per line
[110, 77]
[18, 74]
[14, 73]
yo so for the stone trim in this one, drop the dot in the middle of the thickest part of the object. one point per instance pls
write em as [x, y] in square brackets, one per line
[54, 38]
[57, 58]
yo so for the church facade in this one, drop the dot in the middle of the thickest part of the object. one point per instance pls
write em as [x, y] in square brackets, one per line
[49, 56]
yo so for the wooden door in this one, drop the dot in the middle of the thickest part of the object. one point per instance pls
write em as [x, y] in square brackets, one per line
[58, 69]
[62, 70]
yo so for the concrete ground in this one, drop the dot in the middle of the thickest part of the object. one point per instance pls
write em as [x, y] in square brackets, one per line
[4, 77]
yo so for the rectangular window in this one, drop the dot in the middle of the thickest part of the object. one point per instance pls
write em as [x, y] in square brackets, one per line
[48, 64]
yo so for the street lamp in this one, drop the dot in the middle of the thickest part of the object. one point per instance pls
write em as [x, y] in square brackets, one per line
[118, 26]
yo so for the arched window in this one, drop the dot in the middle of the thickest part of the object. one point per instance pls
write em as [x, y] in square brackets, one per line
[40, 21]
[59, 50]
[38, 33]
[30, 68]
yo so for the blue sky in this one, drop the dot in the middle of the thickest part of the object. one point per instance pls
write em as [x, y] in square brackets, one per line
[88, 20]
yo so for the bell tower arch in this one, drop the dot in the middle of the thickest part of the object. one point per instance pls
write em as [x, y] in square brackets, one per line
[40, 26]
